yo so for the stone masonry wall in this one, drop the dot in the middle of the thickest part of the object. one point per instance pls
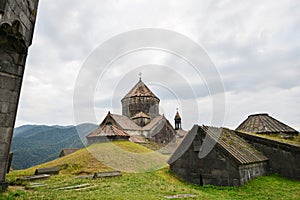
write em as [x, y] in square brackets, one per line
[164, 133]
[17, 20]
[133, 105]
[284, 159]
[216, 168]
[248, 172]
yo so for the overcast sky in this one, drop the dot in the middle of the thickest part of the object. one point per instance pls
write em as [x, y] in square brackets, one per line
[254, 45]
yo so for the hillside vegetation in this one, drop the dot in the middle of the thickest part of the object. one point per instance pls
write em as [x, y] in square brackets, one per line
[153, 182]
[35, 144]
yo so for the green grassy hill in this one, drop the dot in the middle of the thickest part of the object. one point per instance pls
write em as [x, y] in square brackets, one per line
[154, 181]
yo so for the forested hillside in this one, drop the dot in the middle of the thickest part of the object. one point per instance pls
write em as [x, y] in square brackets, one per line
[35, 144]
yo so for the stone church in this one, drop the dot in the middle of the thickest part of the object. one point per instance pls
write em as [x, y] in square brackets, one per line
[140, 120]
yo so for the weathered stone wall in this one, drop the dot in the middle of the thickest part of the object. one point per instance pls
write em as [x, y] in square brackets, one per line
[133, 105]
[284, 159]
[217, 168]
[17, 20]
[248, 172]
[141, 121]
[213, 169]
[163, 133]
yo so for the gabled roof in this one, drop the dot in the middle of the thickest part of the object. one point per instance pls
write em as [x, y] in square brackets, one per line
[125, 122]
[121, 121]
[156, 125]
[154, 122]
[236, 146]
[140, 115]
[184, 145]
[264, 124]
[107, 130]
[140, 90]
[225, 140]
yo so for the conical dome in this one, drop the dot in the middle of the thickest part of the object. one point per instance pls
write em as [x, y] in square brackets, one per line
[140, 90]
[265, 124]
[140, 99]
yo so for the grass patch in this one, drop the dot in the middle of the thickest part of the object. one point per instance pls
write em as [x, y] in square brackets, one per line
[157, 185]
[128, 156]
[277, 137]
[147, 185]
[132, 147]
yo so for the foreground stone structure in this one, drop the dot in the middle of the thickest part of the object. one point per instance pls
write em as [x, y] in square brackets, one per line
[234, 157]
[231, 162]
[284, 159]
[17, 20]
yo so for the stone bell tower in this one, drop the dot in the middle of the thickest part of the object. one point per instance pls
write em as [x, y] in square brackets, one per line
[17, 20]
[177, 120]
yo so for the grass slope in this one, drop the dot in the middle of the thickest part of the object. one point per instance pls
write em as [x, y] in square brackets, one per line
[147, 185]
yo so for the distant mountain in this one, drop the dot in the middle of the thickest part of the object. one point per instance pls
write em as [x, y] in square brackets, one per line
[35, 144]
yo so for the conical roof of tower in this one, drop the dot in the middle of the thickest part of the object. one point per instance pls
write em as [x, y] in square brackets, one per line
[140, 90]
[177, 116]
[265, 124]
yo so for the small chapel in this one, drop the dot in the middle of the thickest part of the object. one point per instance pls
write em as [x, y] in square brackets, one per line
[140, 120]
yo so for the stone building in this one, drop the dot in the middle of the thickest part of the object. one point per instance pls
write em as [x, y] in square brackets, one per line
[140, 117]
[284, 157]
[265, 124]
[106, 133]
[17, 20]
[231, 162]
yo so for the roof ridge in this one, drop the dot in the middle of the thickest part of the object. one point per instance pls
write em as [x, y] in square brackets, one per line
[140, 89]
[243, 154]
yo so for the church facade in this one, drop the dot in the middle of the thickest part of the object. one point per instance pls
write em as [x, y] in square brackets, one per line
[140, 118]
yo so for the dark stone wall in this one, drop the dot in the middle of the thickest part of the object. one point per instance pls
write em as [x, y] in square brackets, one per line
[17, 20]
[284, 159]
[248, 172]
[216, 168]
[141, 121]
[133, 105]
[164, 133]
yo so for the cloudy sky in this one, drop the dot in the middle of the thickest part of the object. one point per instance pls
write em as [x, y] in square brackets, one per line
[254, 47]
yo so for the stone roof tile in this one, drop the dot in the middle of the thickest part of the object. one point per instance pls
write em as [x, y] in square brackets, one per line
[264, 124]
[108, 130]
[234, 145]
[225, 140]
[125, 122]
[140, 90]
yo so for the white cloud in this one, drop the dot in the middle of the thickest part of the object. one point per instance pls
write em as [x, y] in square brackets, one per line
[255, 46]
